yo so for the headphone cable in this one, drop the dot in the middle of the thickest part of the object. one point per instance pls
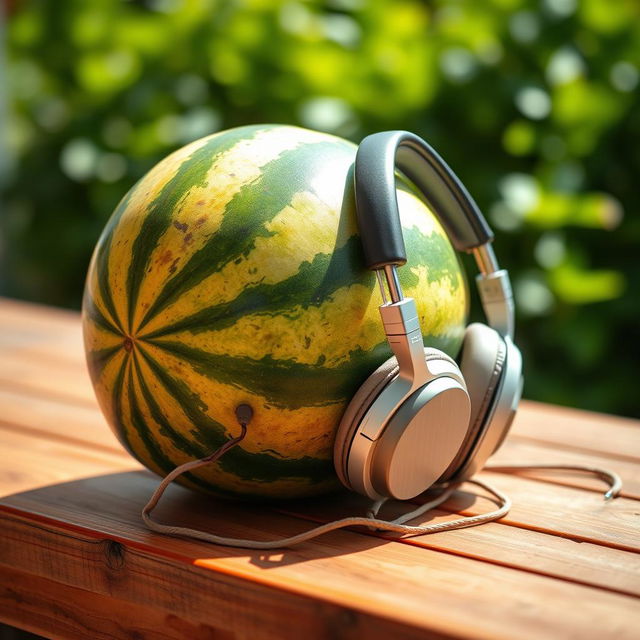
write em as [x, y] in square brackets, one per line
[244, 415]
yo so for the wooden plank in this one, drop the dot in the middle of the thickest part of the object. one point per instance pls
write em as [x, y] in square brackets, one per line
[545, 554]
[50, 333]
[579, 430]
[46, 379]
[187, 603]
[20, 313]
[569, 512]
[55, 419]
[38, 461]
[341, 568]
[523, 451]
[563, 511]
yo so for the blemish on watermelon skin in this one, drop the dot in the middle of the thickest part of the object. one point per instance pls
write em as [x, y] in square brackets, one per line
[165, 257]
[173, 267]
[181, 226]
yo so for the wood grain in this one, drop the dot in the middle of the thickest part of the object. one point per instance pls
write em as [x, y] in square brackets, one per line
[578, 430]
[553, 556]
[353, 570]
[75, 561]
[185, 603]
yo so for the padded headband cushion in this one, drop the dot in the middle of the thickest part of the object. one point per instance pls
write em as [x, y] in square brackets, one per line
[379, 225]
[481, 362]
[360, 403]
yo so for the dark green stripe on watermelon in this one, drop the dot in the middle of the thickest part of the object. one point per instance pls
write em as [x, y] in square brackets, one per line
[97, 360]
[177, 439]
[259, 467]
[98, 317]
[163, 462]
[312, 285]
[284, 383]
[245, 217]
[102, 263]
[116, 403]
[191, 173]
[431, 250]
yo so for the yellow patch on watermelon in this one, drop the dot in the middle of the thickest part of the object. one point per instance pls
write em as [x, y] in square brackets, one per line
[95, 292]
[97, 338]
[128, 228]
[105, 382]
[201, 212]
[292, 433]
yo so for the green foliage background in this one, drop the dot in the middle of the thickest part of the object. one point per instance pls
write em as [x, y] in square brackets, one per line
[534, 104]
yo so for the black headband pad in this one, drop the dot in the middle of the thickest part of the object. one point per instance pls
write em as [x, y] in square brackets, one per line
[377, 158]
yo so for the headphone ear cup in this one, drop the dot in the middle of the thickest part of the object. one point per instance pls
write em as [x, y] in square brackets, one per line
[482, 362]
[364, 397]
[357, 407]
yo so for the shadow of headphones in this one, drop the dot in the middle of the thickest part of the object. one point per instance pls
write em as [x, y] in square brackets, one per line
[421, 418]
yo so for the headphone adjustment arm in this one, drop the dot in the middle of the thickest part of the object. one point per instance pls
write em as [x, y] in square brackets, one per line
[402, 328]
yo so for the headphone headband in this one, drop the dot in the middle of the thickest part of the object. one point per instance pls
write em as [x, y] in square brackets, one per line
[377, 158]
[377, 206]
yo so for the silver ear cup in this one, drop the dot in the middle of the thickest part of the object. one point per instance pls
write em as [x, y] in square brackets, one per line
[492, 367]
[420, 440]
[357, 407]
[482, 358]
[405, 456]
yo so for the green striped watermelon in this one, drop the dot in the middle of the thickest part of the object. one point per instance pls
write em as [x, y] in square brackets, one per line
[232, 273]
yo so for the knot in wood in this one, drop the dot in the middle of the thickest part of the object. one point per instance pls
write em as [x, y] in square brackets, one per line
[114, 553]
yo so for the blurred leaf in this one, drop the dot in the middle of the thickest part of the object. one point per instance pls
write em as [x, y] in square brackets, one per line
[580, 286]
[555, 209]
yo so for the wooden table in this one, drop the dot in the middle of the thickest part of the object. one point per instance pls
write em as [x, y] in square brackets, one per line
[76, 561]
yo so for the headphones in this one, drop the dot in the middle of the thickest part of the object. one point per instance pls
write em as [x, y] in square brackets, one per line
[420, 418]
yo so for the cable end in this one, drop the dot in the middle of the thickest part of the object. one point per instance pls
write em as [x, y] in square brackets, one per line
[244, 413]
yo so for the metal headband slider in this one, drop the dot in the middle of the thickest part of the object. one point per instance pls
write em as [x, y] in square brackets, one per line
[400, 318]
[497, 300]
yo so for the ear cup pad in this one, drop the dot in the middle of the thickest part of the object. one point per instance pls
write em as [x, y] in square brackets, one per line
[482, 362]
[360, 403]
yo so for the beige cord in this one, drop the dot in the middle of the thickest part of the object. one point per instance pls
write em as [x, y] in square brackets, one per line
[370, 521]
[615, 483]
[396, 525]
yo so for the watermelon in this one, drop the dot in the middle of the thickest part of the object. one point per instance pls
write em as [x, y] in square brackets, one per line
[232, 273]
